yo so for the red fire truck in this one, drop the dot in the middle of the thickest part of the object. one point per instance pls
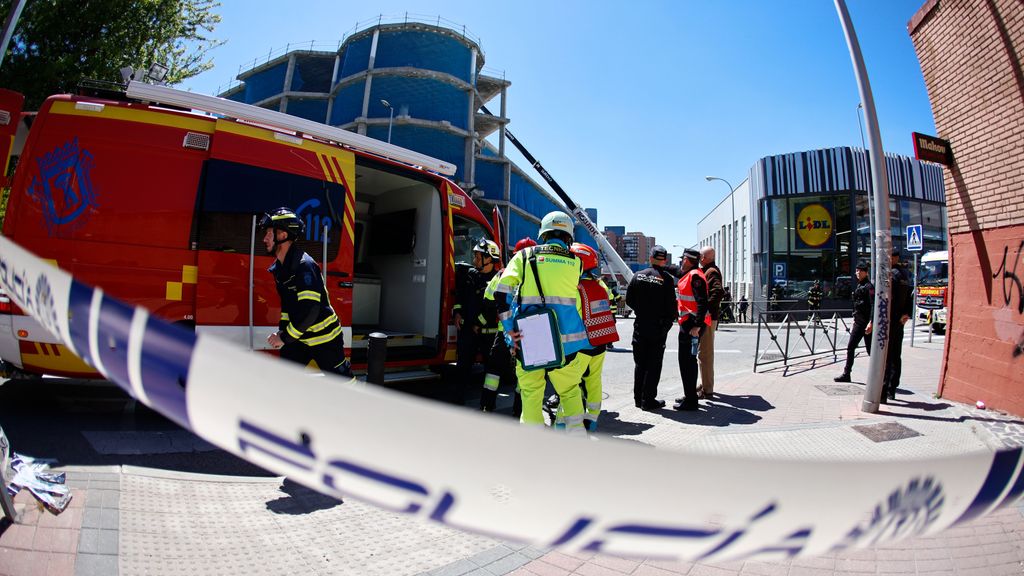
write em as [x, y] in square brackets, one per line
[152, 194]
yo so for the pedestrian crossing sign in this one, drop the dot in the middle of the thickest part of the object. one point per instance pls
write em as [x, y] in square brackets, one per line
[914, 241]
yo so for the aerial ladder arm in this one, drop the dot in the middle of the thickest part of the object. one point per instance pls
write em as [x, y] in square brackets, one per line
[615, 261]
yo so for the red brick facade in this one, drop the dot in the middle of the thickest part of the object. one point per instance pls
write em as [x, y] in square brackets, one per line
[971, 53]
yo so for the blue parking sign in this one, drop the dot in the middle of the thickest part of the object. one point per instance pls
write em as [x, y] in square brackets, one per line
[915, 239]
[779, 271]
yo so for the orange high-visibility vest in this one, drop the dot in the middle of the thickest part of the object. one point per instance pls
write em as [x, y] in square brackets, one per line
[685, 301]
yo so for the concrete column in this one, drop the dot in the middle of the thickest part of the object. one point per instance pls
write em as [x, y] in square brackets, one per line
[283, 106]
[501, 131]
[330, 93]
[470, 176]
[369, 82]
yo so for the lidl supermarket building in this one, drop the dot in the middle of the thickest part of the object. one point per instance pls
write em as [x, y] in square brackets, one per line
[803, 217]
[420, 86]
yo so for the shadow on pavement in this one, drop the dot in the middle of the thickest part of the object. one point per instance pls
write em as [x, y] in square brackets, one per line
[300, 500]
[744, 402]
[610, 423]
[713, 413]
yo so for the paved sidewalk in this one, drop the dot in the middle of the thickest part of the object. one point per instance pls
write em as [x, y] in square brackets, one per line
[131, 521]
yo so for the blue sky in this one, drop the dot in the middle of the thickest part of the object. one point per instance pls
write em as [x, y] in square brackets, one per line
[630, 105]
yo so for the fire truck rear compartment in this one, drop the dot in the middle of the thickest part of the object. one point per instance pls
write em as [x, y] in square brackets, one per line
[398, 264]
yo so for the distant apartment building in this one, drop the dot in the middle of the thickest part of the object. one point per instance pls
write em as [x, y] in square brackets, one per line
[633, 247]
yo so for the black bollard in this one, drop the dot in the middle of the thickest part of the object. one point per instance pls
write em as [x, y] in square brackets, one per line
[375, 357]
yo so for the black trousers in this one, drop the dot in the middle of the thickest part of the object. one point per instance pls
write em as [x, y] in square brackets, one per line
[501, 362]
[894, 360]
[469, 344]
[648, 355]
[687, 367]
[856, 335]
[329, 356]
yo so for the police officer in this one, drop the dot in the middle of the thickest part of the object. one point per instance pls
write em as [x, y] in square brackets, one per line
[651, 295]
[692, 300]
[309, 329]
[900, 309]
[476, 324]
[547, 276]
[863, 308]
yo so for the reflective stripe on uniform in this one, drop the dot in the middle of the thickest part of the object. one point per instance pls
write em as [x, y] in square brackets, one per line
[594, 406]
[685, 298]
[309, 295]
[293, 332]
[322, 339]
[284, 316]
[491, 382]
[488, 330]
[574, 337]
[505, 315]
[549, 300]
[322, 324]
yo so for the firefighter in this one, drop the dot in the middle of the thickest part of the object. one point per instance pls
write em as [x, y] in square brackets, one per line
[500, 363]
[651, 295]
[547, 276]
[599, 320]
[814, 296]
[309, 329]
[901, 307]
[692, 300]
[476, 325]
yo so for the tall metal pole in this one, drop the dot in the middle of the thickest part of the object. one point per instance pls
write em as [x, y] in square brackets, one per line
[871, 218]
[883, 236]
[732, 227]
[12, 22]
[913, 319]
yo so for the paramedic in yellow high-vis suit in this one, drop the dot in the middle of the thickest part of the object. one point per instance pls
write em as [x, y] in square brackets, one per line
[554, 285]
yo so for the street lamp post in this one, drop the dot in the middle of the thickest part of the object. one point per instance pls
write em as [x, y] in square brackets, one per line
[732, 227]
[391, 116]
[871, 217]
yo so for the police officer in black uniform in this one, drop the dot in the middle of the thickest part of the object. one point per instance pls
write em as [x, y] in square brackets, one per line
[309, 329]
[863, 308]
[652, 296]
[476, 323]
[900, 309]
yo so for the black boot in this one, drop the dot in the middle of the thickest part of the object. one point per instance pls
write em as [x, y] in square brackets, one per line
[844, 377]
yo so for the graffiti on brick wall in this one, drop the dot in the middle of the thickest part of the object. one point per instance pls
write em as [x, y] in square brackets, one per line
[1009, 318]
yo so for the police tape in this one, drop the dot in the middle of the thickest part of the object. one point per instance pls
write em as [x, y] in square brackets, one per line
[489, 476]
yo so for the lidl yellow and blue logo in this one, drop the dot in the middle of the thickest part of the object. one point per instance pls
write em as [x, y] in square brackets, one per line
[814, 226]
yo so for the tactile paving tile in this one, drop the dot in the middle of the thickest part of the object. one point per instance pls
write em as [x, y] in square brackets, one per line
[840, 389]
[186, 526]
[886, 431]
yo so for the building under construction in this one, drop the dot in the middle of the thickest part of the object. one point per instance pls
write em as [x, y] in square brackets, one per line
[421, 86]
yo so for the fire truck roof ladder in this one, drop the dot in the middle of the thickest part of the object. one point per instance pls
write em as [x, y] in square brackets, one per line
[240, 111]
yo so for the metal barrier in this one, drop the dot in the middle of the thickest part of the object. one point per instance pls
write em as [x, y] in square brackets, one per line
[820, 326]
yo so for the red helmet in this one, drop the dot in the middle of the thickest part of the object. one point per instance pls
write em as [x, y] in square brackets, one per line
[586, 254]
[524, 243]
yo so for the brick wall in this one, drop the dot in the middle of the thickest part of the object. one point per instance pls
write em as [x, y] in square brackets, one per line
[970, 53]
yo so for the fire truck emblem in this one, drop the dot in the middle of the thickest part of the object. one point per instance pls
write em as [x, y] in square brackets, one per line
[62, 186]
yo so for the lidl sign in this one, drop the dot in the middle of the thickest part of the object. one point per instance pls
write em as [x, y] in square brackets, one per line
[814, 225]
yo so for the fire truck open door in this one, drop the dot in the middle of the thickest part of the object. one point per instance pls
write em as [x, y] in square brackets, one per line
[252, 171]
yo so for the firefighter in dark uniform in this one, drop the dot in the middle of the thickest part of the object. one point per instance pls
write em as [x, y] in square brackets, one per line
[652, 296]
[863, 308]
[309, 329]
[814, 296]
[900, 308]
[477, 323]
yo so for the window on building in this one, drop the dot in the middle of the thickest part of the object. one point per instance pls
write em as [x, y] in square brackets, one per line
[743, 250]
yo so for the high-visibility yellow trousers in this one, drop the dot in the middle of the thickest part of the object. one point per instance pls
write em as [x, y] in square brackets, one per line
[566, 381]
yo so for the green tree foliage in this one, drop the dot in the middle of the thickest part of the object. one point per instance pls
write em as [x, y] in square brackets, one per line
[57, 43]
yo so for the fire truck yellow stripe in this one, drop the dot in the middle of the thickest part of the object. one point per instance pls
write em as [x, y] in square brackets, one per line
[114, 112]
[189, 274]
[323, 166]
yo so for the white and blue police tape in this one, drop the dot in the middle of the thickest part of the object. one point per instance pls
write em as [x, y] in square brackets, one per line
[488, 475]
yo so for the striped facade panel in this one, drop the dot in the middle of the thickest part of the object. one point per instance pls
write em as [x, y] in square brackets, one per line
[844, 169]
